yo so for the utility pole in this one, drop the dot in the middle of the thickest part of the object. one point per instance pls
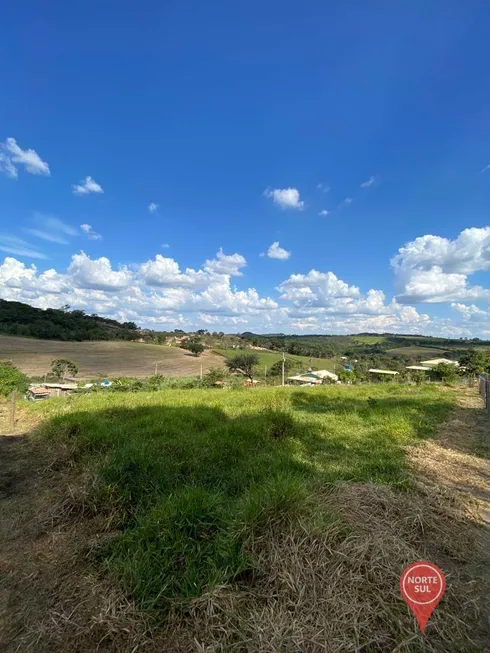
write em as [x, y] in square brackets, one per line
[201, 372]
[283, 359]
[156, 369]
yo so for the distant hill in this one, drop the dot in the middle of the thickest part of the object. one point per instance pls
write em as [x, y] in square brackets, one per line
[364, 344]
[61, 324]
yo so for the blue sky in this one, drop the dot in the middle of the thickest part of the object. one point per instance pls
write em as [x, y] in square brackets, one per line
[243, 122]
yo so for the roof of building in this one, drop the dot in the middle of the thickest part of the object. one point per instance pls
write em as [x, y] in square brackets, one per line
[439, 361]
[325, 374]
[418, 367]
[62, 386]
[305, 378]
[39, 391]
[374, 371]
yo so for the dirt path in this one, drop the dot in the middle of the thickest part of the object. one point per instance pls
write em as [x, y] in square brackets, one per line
[459, 460]
[51, 598]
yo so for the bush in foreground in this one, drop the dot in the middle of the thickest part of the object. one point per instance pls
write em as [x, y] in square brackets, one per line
[11, 378]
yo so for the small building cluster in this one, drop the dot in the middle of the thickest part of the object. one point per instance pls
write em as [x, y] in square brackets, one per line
[424, 366]
[38, 392]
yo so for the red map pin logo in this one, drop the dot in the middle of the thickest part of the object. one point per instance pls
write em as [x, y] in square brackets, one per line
[422, 585]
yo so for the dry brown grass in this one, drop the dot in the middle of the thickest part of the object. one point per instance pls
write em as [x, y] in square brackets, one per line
[337, 591]
[332, 589]
[101, 358]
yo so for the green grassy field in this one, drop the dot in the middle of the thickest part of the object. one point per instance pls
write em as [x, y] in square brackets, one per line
[369, 340]
[191, 477]
[266, 359]
[427, 352]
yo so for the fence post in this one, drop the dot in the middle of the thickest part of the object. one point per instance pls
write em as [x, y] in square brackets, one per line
[487, 395]
[13, 399]
[485, 391]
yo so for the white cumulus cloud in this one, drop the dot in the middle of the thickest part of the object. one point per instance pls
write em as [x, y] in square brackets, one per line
[323, 212]
[11, 154]
[97, 274]
[471, 313]
[87, 186]
[226, 264]
[275, 251]
[157, 294]
[152, 207]
[286, 198]
[434, 269]
[164, 271]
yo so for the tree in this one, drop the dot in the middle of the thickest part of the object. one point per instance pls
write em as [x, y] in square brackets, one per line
[243, 363]
[11, 378]
[61, 366]
[474, 361]
[129, 325]
[289, 365]
[347, 377]
[445, 372]
[194, 345]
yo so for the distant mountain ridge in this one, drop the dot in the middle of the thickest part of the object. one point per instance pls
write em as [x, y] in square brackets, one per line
[21, 319]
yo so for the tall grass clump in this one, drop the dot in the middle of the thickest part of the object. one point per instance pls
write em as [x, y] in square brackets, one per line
[194, 478]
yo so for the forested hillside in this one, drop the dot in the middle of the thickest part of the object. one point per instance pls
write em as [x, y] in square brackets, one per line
[60, 324]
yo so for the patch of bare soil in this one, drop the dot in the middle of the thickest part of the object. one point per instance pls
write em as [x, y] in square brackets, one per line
[105, 358]
[331, 589]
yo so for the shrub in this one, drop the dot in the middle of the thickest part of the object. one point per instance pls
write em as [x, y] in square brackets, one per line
[445, 372]
[11, 378]
[215, 374]
[419, 377]
[126, 384]
[156, 382]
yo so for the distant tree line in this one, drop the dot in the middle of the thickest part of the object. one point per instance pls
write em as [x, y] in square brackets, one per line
[61, 324]
[326, 346]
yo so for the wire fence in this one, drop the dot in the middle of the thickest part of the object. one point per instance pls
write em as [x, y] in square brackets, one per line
[484, 383]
